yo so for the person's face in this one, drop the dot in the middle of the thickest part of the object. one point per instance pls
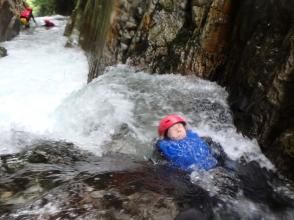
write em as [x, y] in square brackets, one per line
[177, 132]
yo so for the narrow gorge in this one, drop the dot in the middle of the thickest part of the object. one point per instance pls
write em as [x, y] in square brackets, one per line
[81, 101]
[245, 46]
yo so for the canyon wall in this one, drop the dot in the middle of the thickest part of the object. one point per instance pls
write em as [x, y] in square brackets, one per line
[9, 23]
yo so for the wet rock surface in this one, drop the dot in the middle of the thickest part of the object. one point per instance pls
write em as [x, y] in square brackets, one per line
[10, 26]
[3, 52]
[159, 36]
[53, 180]
[259, 76]
[56, 180]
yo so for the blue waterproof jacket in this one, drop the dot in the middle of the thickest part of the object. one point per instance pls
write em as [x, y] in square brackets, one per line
[188, 152]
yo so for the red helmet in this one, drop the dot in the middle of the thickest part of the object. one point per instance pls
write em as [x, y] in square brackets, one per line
[169, 121]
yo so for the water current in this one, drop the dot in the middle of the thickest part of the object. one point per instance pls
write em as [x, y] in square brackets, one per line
[44, 96]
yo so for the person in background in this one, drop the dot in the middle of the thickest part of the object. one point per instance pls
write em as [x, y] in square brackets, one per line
[184, 149]
[26, 15]
[48, 23]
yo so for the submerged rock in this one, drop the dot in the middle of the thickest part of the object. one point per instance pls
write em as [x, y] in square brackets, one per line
[56, 180]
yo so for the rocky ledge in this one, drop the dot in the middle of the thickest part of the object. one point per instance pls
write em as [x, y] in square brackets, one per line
[56, 180]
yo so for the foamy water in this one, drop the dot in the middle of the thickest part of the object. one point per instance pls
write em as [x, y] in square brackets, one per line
[43, 95]
[38, 73]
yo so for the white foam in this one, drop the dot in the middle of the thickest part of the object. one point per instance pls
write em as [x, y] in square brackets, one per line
[40, 212]
[38, 73]
[90, 116]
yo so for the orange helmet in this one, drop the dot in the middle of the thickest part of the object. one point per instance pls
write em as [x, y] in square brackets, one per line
[169, 121]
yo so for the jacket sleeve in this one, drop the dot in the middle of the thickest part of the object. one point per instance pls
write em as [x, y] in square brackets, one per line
[219, 153]
[216, 149]
[157, 156]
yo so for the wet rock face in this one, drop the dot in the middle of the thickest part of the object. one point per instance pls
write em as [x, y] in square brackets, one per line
[89, 26]
[160, 36]
[259, 75]
[10, 26]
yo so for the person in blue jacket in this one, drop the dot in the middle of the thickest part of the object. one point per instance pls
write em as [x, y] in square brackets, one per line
[184, 148]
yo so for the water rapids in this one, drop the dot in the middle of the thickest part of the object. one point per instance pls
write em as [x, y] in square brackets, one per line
[48, 110]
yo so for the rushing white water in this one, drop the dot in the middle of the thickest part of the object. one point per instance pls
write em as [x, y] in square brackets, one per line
[43, 95]
[38, 73]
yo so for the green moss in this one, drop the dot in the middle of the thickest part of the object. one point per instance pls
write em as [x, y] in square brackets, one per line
[182, 37]
[49, 7]
[95, 20]
[167, 5]
[42, 7]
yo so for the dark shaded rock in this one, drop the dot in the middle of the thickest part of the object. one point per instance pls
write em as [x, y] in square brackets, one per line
[85, 186]
[56, 180]
[64, 7]
[259, 75]
[255, 185]
[3, 52]
[61, 7]
[192, 214]
[10, 26]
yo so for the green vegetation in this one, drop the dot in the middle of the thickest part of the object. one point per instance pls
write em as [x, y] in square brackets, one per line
[31, 5]
[50, 7]
[42, 7]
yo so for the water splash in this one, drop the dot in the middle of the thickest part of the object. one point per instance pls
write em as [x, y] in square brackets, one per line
[119, 111]
[38, 73]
